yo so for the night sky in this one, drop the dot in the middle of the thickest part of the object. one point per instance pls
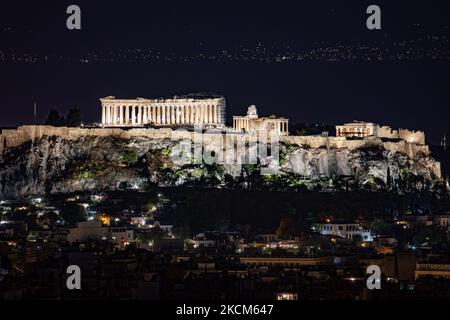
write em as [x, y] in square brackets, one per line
[308, 62]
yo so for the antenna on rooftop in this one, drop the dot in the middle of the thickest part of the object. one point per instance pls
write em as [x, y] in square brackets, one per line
[444, 142]
[35, 112]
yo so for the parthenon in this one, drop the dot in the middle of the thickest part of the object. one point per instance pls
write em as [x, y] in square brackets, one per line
[184, 111]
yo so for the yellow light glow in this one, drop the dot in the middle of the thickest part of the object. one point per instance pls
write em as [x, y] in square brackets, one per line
[104, 219]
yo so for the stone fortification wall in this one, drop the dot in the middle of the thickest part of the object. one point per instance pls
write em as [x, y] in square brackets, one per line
[417, 137]
[15, 137]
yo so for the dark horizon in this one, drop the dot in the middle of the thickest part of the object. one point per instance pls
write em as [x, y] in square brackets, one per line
[307, 62]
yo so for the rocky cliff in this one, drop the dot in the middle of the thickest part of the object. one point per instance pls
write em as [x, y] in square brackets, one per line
[95, 163]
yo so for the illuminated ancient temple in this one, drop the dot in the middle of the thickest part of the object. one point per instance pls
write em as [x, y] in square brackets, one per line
[174, 112]
[253, 122]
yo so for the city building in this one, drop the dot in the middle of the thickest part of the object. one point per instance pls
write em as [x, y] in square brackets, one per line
[94, 230]
[87, 230]
[433, 269]
[209, 111]
[285, 296]
[120, 235]
[343, 230]
[253, 122]
[287, 261]
[442, 220]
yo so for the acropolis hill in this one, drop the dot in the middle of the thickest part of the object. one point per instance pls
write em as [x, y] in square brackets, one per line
[42, 159]
[11, 138]
[45, 159]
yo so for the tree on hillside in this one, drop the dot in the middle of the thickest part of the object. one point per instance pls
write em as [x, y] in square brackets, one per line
[287, 228]
[74, 118]
[73, 213]
[54, 119]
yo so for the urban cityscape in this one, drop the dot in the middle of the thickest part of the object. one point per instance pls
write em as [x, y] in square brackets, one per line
[236, 163]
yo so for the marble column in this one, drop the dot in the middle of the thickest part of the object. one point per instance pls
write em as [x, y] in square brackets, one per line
[177, 114]
[107, 114]
[103, 114]
[127, 115]
[210, 114]
[114, 114]
[167, 115]
[139, 115]
[119, 110]
[197, 114]
[110, 114]
[144, 115]
[188, 114]
[158, 114]
[163, 117]
[168, 120]
[219, 116]
[204, 114]
[172, 115]
[181, 114]
[150, 114]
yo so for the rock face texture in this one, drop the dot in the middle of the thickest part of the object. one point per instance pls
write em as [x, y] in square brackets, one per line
[51, 165]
